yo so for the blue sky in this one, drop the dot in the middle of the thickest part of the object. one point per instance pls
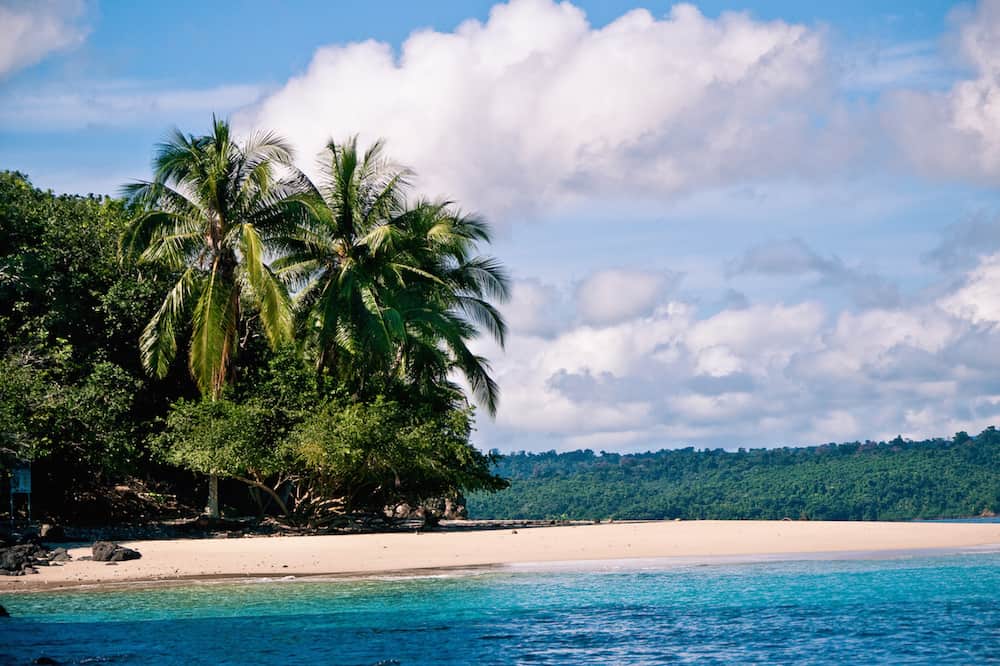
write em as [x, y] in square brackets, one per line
[729, 224]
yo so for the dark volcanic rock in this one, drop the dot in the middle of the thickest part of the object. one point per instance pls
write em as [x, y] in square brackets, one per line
[60, 555]
[21, 557]
[3, 612]
[107, 551]
[123, 554]
[102, 550]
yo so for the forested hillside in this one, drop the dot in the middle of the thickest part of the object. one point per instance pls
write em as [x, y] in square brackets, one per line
[857, 481]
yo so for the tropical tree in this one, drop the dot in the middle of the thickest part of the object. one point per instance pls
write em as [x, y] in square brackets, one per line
[362, 456]
[389, 291]
[209, 213]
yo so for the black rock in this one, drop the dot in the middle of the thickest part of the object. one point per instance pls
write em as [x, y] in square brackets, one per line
[10, 560]
[107, 551]
[3, 612]
[16, 558]
[60, 555]
[46, 660]
[103, 550]
[123, 554]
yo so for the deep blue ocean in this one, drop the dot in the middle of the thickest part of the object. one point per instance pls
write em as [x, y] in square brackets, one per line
[896, 610]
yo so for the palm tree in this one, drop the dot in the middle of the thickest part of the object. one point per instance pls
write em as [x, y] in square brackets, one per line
[209, 214]
[449, 301]
[388, 290]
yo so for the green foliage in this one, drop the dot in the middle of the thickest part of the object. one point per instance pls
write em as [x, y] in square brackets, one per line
[379, 453]
[21, 391]
[281, 381]
[276, 429]
[71, 394]
[57, 261]
[222, 437]
[895, 480]
[86, 425]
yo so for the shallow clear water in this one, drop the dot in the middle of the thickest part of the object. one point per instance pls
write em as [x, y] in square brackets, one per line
[929, 610]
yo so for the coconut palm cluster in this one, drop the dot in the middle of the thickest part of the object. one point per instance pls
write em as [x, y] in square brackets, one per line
[377, 292]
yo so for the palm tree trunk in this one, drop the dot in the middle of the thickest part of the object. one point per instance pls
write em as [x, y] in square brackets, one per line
[213, 497]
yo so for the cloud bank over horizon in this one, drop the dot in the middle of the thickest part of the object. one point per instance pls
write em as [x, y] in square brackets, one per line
[755, 374]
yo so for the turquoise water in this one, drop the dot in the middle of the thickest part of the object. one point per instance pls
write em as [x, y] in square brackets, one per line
[920, 610]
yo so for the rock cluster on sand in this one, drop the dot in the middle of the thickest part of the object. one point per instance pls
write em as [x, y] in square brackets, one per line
[108, 551]
[25, 558]
[451, 507]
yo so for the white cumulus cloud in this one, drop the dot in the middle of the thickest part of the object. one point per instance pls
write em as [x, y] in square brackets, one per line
[978, 298]
[956, 133]
[535, 107]
[613, 295]
[535, 308]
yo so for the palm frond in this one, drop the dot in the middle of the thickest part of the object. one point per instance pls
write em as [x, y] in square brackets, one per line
[269, 294]
[477, 372]
[483, 314]
[213, 333]
[158, 344]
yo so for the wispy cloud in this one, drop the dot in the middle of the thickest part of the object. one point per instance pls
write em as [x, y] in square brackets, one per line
[119, 104]
[967, 241]
[32, 29]
[880, 67]
[786, 258]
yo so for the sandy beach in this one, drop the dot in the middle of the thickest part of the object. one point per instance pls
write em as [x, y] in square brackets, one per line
[367, 554]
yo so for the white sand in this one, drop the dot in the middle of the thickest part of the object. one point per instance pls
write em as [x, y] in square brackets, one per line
[374, 553]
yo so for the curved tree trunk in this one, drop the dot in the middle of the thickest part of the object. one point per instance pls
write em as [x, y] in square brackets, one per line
[253, 483]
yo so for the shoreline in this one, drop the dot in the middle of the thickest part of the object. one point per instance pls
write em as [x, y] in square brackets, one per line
[394, 555]
[458, 571]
